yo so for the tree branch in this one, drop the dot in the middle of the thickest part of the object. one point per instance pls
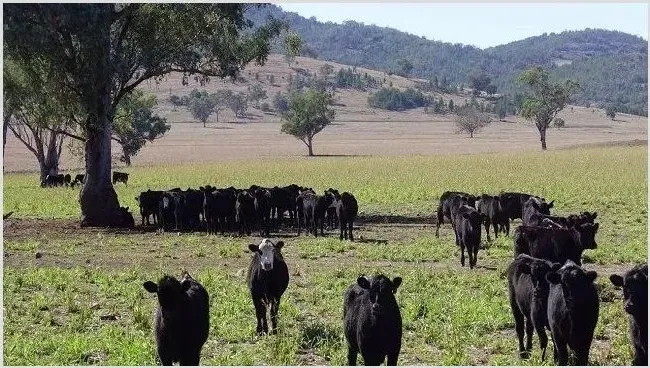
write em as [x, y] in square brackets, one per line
[20, 138]
[66, 133]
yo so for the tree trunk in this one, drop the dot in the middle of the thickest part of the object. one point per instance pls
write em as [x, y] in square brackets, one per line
[5, 127]
[471, 134]
[204, 123]
[542, 137]
[309, 146]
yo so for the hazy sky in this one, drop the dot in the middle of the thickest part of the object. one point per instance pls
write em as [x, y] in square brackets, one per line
[483, 24]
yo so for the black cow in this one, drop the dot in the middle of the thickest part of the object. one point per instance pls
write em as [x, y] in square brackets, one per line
[313, 208]
[555, 244]
[262, 203]
[572, 312]
[148, 202]
[347, 209]
[449, 201]
[319, 210]
[283, 200]
[467, 228]
[490, 206]
[170, 208]
[330, 214]
[373, 324]
[78, 179]
[120, 177]
[528, 294]
[182, 319]
[245, 212]
[268, 278]
[53, 180]
[534, 210]
[219, 210]
[193, 208]
[513, 203]
[635, 295]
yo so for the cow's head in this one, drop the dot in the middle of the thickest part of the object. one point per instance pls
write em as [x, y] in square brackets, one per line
[170, 291]
[635, 290]
[574, 280]
[587, 235]
[537, 269]
[381, 290]
[267, 251]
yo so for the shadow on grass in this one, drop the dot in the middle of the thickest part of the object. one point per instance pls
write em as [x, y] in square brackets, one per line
[395, 219]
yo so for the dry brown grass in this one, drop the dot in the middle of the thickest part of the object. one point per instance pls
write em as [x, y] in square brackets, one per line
[358, 130]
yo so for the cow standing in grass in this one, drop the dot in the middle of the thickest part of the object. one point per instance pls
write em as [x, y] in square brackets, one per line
[373, 324]
[182, 319]
[635, 301]
[268, 278]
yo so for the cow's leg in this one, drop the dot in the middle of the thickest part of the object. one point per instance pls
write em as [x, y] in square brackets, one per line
[165, 356]
[343, 231]
[352, 355]
[260, 314]
[495, 225]
[275, 307]
[391, 359]
[562, 352]
[529, 334]
[462, 254]
[349, 223]
[543, 339]
[440, 218]
[476, 253]
[322, 224]
[487, 229]
[519, 327]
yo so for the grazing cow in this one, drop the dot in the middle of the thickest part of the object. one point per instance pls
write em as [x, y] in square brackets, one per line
[490, 206]
[268, 278]
[182, 319]
[67, 179]
[120, 177]
[528, 294]
[448, 203]
[78, 179]
[245, 212]
[534, 210]
[572, 312]
[346, 212]
[467, 227]
[555, 244]
[262, 203]
[148, 202]
[53, 181]
[635, 295]
[373, 324]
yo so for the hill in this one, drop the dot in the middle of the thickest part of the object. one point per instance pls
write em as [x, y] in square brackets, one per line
[589, 56]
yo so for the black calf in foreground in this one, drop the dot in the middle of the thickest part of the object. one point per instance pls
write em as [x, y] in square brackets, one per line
[572, 312]
[635, 299]
[528, 294]
[467, 227]
[182, 319]
[268, 278]
[373, 324]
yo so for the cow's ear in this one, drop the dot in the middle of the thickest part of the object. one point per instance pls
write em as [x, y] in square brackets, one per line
[553, 277]
[279, 244]
[137, 199]
[591, 275]
[596, 227]
[396, 283]
[617, 280]
[363, 282]
[550, 205]
[253, 247]
[150, 286]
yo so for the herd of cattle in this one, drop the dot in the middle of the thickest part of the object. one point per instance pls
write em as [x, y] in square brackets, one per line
[244, 210]
[548, 289]
[60, 180]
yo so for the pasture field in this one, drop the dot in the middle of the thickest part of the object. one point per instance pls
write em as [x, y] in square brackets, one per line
[81, 301]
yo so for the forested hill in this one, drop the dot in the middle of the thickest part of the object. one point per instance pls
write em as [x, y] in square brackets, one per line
[611, 66]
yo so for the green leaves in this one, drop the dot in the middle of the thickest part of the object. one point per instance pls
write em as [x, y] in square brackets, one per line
[308, 114]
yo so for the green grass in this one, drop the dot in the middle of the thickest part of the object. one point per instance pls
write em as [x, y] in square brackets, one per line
[452, 315]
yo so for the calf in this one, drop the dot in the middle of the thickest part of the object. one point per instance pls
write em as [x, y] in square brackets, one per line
[467, 227]
[262, 203]
[373, 324]
[572, 312]
[528, 294]
[268, 278]
[635, 295]
[534, 210]
[182, 319]
[120, 177]
[555, 244]
[490, 206]
[245, 212]
[448, 203]
[148, 202]
[346, 212]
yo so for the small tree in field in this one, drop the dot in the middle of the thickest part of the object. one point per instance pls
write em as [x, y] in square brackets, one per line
[308, 114]
[256, 93]
[547, 99]
[201, 105]
[238, 103]
[610, 111]
[292, 47]
[470, 120]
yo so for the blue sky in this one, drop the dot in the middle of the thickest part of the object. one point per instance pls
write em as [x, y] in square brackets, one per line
[483, 24]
